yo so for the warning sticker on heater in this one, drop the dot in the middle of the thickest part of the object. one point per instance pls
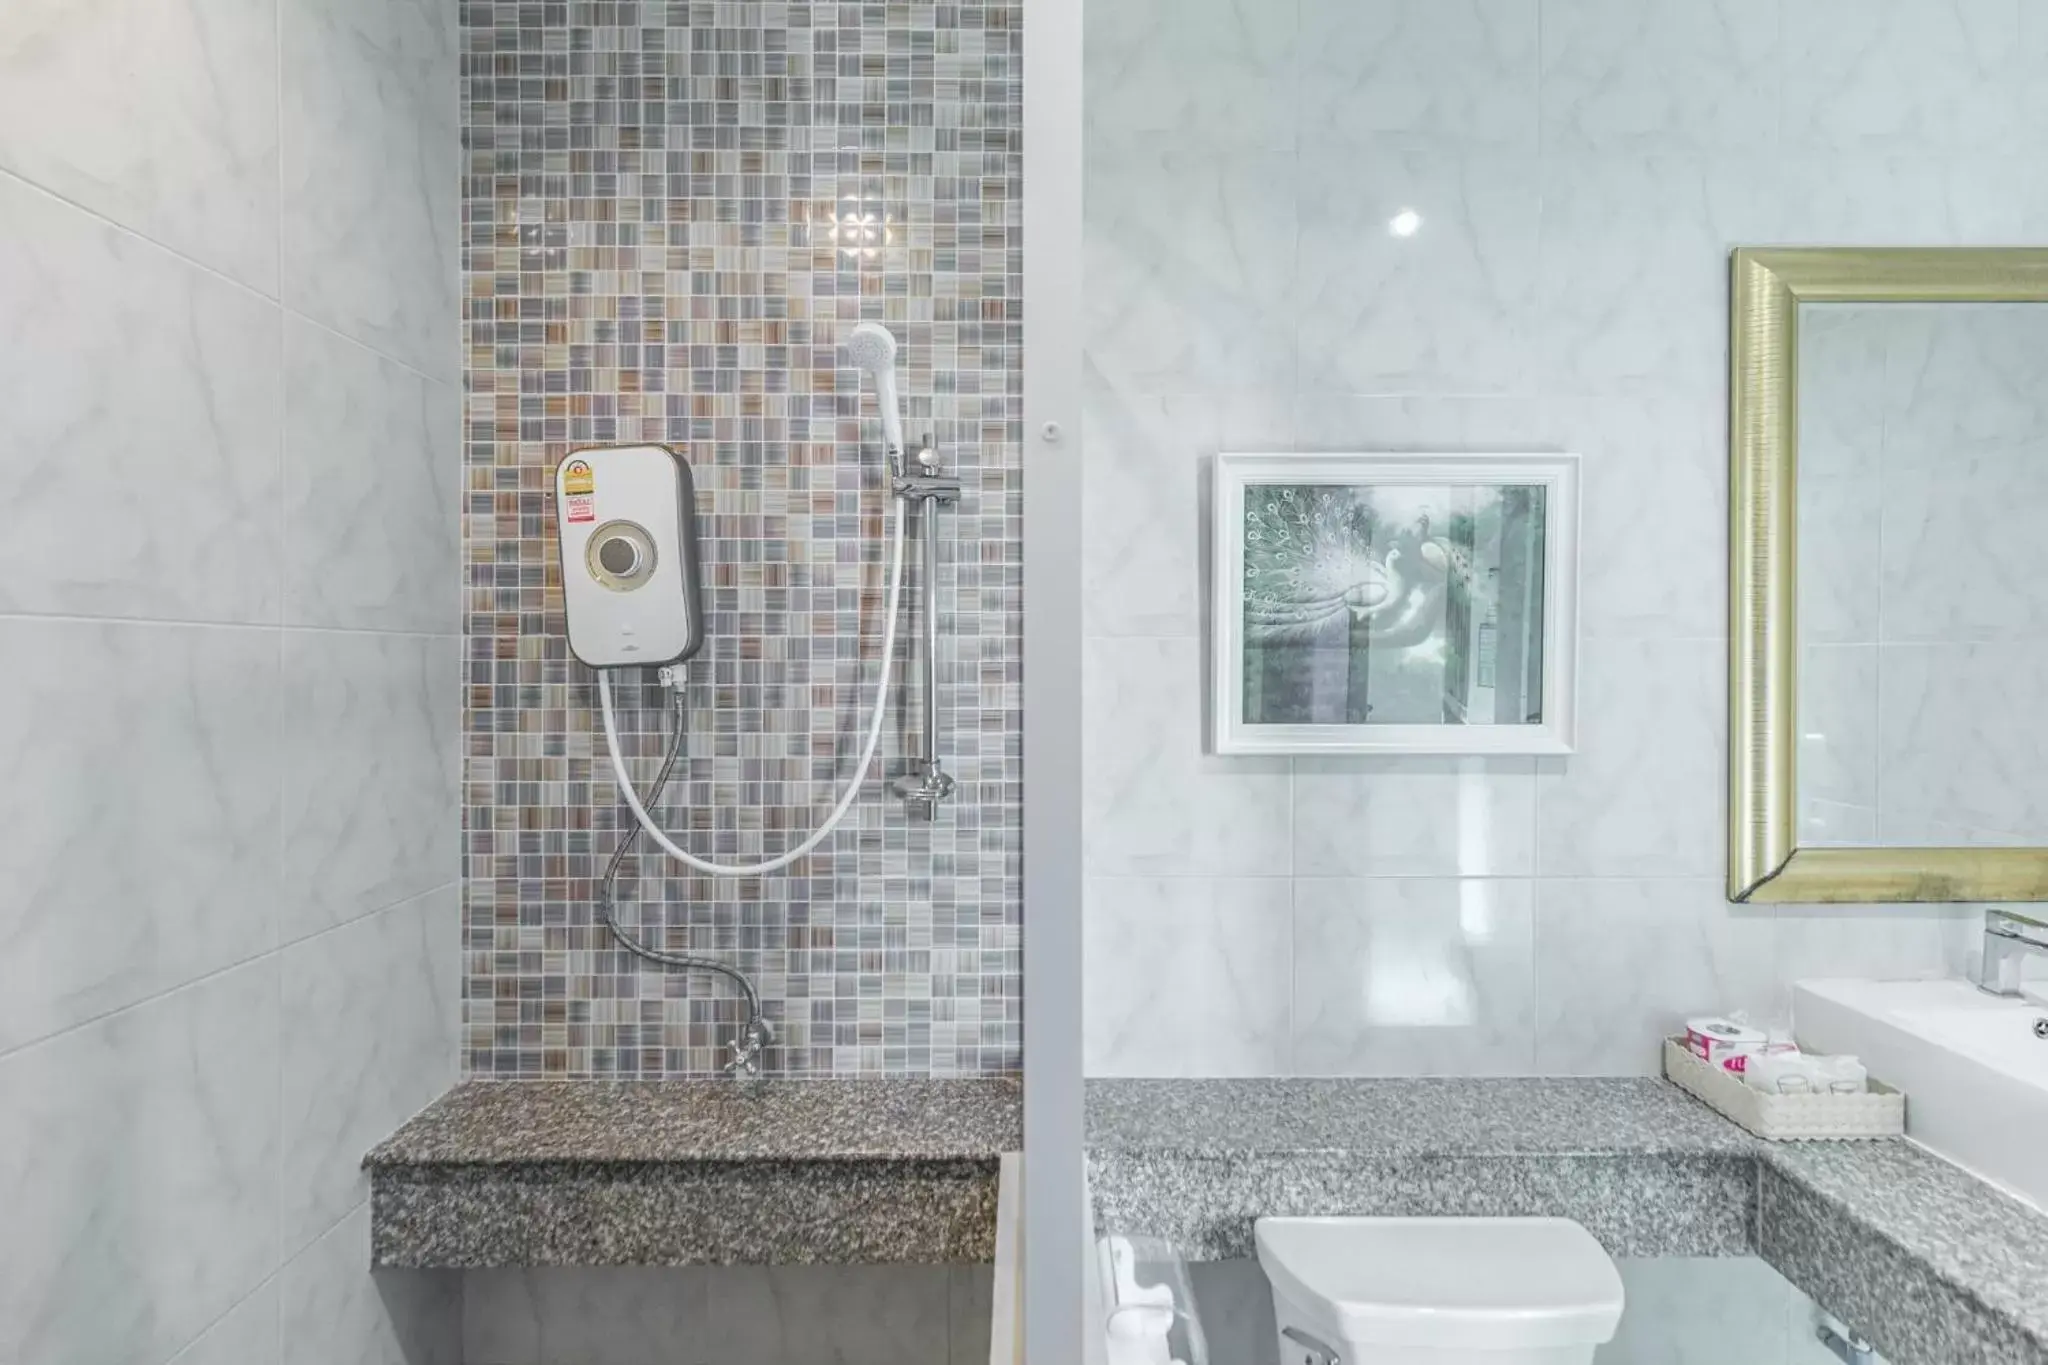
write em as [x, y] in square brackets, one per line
[578, 478]
[582, 507]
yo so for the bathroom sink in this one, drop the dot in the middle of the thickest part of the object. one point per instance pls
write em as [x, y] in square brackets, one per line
[1974, 1070]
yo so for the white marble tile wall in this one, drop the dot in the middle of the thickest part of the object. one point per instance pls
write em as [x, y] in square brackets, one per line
[229, 938]
[1581, 169]
[707, 1315]
[1679, 1311]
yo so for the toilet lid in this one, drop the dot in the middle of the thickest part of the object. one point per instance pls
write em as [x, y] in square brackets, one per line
[1477, 1283]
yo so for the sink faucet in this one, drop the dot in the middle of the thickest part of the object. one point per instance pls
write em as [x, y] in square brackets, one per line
[2008, 939]
[753, 1039]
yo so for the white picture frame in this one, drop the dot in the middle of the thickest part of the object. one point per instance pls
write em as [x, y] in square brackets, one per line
[1235, 475]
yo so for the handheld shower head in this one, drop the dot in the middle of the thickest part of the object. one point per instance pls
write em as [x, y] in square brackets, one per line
[872, 347]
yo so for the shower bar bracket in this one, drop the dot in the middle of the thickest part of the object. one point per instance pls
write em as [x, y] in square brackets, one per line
[921, 490]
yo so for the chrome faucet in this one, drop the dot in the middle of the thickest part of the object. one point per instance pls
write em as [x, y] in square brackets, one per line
[2008, 939]
[747, 1048]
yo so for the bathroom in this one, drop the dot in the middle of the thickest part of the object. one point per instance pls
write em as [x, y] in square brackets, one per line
[341, 1010]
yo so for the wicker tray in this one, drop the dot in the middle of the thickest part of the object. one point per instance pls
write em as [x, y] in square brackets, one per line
[1879, 1112]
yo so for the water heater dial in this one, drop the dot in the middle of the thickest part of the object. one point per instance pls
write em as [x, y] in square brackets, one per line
[618, 555]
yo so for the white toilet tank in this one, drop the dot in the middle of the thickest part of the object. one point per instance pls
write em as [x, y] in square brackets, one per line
[1438, 1291]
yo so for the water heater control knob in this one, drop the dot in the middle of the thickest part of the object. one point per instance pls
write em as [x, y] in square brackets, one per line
[619, 556]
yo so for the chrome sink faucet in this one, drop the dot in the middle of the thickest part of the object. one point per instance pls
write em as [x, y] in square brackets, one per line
[2008, 940]
[747, 1048]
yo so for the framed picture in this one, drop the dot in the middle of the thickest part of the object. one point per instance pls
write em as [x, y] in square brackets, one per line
[1395, 603]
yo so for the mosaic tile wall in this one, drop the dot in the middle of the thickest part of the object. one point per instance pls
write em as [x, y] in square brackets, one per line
[671, 214]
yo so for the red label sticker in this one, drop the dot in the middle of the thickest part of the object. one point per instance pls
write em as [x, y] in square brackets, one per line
[582, 507]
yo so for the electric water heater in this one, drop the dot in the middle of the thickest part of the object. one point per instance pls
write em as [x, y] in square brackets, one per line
[628, 522]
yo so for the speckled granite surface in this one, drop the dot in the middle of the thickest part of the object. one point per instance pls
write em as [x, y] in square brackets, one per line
[1935, 1267]
[695, 1172]
[1499, 1117]
[1930, 1263]
[484, 1122]
[1650, 1172]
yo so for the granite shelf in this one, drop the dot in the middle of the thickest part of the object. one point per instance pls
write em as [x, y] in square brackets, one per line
[695, 1172]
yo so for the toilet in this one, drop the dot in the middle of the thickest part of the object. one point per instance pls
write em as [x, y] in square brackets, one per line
[1438, 1291]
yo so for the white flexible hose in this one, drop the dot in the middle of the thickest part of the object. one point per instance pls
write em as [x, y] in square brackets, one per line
[860, 775]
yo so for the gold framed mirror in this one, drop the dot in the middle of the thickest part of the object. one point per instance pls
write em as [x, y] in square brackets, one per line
[1839, 311]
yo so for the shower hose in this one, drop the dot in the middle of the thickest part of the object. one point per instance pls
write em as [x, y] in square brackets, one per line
[644, 821]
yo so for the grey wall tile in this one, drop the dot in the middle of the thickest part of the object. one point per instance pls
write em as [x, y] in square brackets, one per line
[140, 803]
[1633, 296]
[1886, 942]
[1345, 422]
[850, 1315]
[145, 1145]
[1904, 75]
[371, 174]
[332, 1307]
[1621, 964]
[369, 1040]
[1445, 308]
[1894, 198]
[245, 1335]
[370, 792]
[1414, 976]
[1667, 75]
[1148, 458]
[1234, 1301]
[158, 114]
[140, 415]
[1187, 976]
[1652, 719]
[1190, 264]
[1222, 68]
[1680, 1311]
[970, 1328]
[372, 469]
[1653, 539]
[1455, 71]
[697, 1315]
[1413, 817]
[1155, 803]
[586, 1315]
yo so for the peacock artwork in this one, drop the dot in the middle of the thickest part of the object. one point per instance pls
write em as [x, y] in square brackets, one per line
[1392, 604]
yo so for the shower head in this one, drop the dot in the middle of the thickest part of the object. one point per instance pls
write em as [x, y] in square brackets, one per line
[872, 347]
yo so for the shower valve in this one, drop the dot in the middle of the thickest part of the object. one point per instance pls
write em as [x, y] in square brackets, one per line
[747, 1049]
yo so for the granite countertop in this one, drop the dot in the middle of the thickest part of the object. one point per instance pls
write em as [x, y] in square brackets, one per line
[494, 1122]
[1504, 1117]
[695, 1172]
[1933, 1265]
[1646, 1169]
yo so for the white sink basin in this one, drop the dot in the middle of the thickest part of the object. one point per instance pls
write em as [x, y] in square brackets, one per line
[1975, 1076]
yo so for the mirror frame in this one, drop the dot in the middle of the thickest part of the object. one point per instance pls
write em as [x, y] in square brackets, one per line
[1765, 863]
